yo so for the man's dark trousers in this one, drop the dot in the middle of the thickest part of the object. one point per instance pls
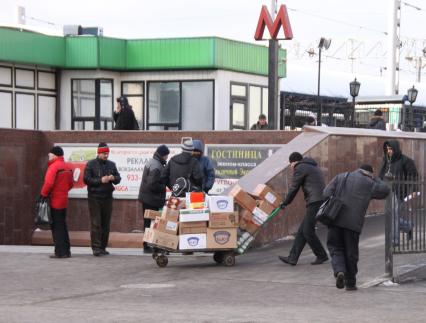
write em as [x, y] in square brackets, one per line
[343, 247]
[306, 234]
[60, 232]
[100, 220]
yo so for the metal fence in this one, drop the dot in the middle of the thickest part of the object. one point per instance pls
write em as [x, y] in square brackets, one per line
[405, 228]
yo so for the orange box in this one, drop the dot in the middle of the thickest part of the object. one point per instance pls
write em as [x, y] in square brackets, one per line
[223, 220]
[242, 198]
[221, 238]
[151, 214]
[264, 192]
[246, 222]
[265, 206]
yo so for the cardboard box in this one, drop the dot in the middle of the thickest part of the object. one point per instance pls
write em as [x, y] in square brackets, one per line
[192, 241]
[195, 200]
[265, 206]
[193, 227]
[151, 214]
[242, 198]
[194, 215]
[161, 239]
[264, 192]
[219, 204]
[170, 214]
[175, 203]
[222, 238]
[246, 222]
[164, 225]
[223, 220]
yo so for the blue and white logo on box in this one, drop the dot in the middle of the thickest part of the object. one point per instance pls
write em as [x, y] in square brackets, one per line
[193, 241]
[222, 204]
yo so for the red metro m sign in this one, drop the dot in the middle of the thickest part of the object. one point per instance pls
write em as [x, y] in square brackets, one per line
[273, 26]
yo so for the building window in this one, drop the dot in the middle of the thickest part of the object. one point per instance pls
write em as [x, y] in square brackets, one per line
[134, 91]
[6, 109]
[92, 104]
[25, 110]
[247, 103]
[5, 76]
[46, 112]
[186, 105]
[24, 78]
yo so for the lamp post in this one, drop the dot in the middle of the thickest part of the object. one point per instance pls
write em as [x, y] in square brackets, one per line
[411, 97]
[324, 43]
[354, 90]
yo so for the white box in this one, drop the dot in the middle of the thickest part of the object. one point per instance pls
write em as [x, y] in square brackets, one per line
[194, 215]
[259, 217]
[193, 241]
[220, 204]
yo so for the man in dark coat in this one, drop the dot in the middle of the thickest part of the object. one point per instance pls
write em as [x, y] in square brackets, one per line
[124, 117]
[206, 165]
[397, 166]
[183, 165]
[261, 124]
[99, 175]
[307, 175]
[152, 192]
[377, 121]
[343, 234]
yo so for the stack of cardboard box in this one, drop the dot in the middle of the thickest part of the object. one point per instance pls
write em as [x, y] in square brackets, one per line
[206, 223]
[255, 209]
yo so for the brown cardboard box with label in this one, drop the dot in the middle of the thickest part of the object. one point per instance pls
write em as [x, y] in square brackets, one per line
[221, 238]
[164, 225]
[192, 227]
[170, 214]
[265, 206]
[223, 220]
[151, 214]
[242, 198]
[246, 222]
[264, 192]
[161, 239]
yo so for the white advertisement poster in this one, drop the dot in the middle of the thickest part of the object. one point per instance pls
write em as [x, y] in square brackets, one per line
[129, 159]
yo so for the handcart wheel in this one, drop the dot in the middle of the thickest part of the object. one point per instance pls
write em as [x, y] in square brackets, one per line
[162, 261]
[229, 259]
[218, 257]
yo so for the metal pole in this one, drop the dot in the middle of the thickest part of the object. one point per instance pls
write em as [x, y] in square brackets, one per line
[410, 119]
[273, 76]
[388, 235]
[392, 47]
[319, 114]
[353, 112]
[403, 127]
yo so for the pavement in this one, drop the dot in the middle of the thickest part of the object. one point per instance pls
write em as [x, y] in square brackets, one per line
[128, 286]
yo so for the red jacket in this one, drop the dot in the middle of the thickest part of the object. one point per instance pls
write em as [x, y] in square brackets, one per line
[57, 182]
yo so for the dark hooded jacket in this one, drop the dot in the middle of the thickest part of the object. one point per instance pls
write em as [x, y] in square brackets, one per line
[359, 189]
[377, 122]
[258, 126]
[152, 190]
[182, 165]
[125, 119]
[399, 168]
[206, 167]
[307, 175]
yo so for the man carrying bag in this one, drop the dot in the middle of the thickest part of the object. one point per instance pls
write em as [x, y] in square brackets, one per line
[344, 231]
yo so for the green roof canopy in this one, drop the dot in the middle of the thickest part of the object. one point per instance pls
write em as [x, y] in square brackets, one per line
[90, 52]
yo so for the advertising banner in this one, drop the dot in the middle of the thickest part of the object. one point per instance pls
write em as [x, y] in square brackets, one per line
[231, 162]
[129, 159]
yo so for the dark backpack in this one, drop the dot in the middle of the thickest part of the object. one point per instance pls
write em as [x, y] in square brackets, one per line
[183, 185]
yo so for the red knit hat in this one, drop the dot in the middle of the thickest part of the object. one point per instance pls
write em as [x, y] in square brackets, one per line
[103, 148]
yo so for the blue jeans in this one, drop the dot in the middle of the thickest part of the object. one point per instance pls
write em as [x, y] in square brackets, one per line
[399, 223]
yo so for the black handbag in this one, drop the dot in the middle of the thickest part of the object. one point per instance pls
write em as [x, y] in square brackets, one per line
[42, 212]
[331, 207]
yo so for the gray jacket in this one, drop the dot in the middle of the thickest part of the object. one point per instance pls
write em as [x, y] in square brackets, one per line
[307, 175]
[360, 188]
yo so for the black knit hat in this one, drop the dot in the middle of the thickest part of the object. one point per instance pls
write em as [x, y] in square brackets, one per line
[163, 150]
[57, 151]
[295, 157]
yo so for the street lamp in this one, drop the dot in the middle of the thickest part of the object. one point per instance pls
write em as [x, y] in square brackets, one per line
[411, 97]
[324, 43]
[354, 90]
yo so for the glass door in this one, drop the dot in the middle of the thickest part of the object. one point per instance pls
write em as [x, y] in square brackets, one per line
[238, 115]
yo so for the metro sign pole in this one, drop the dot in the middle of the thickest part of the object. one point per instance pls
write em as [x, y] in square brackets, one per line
[281, 20]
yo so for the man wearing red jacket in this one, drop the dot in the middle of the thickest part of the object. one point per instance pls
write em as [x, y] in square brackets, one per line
[57, 182]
